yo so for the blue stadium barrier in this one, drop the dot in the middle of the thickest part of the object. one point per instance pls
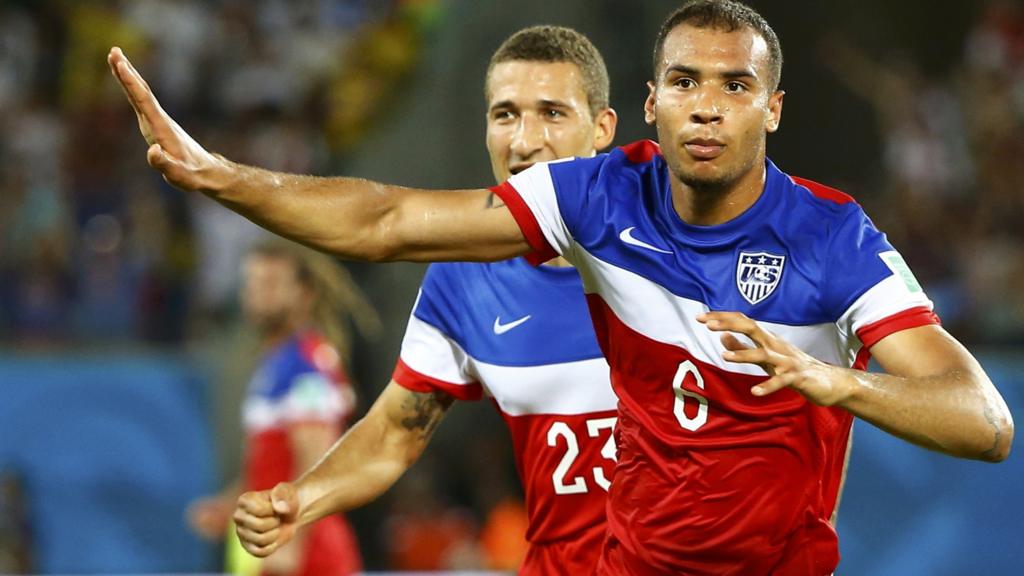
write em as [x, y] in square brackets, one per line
[912, 512]
[110, 451]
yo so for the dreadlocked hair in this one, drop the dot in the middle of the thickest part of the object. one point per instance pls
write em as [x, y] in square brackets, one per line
[337, 299]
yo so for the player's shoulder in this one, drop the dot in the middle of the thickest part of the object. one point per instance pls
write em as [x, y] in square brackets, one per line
[306, 351]
[825, 201]
[639, 156]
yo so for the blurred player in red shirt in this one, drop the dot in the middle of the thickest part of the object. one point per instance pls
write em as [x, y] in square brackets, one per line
[299, 397]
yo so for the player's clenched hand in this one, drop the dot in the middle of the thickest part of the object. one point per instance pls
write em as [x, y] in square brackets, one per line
[267, 520]
[786, 365]
[181, 160]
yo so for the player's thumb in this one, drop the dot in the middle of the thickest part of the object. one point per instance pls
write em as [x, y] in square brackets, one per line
[285, 501]
[169, 166]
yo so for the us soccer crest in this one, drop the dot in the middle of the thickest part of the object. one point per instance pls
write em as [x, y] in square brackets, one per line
[758, 274]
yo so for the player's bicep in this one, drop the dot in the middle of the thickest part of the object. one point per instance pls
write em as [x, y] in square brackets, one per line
[923, 351]
[455, 225]
[411, 414]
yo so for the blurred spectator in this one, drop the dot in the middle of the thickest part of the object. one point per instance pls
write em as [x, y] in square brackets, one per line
[951, 149]
[92, 249]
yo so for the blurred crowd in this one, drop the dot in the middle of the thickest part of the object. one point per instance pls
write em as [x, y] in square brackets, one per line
[950, 193]
[93, 247]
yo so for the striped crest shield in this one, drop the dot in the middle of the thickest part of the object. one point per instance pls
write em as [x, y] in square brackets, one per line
[757, 274]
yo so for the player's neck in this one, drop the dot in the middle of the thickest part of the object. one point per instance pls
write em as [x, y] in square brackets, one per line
[272, 336]
[709, 206]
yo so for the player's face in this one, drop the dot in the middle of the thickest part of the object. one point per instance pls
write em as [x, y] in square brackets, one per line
[713, 104]
[538, 111]
[271, 291]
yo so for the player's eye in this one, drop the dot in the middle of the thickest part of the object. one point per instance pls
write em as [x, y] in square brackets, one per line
[502, 115]
[553, 114]
[735, 87]
[684, 82]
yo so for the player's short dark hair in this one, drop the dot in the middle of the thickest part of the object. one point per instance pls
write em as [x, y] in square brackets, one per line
[727, 15]
[558, 44]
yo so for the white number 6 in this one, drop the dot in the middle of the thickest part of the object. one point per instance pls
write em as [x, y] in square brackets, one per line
[691, 424]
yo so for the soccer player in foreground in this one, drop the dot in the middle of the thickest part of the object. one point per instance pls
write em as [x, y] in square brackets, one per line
[736, 305]
[519, 334]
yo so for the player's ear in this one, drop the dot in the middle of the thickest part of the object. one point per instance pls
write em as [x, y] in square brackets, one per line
[774, 111]
[649, 116]
[604, 128]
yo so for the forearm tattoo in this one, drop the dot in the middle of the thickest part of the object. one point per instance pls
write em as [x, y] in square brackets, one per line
[493, 201]
[422, 412]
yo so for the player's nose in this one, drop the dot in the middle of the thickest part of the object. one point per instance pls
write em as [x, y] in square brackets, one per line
[529, 137]
[706, 108]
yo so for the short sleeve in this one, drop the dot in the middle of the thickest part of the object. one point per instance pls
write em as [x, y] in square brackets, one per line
[546, 199]
[870, 288]
[431, 360]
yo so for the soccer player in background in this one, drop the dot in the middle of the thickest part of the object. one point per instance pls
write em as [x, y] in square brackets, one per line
[299, 397]
[518, 334]
[736, 305]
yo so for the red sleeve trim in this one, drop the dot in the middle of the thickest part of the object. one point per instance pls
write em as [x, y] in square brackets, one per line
[541, 250]
[909, 318]
[824, 192]
[418, 382]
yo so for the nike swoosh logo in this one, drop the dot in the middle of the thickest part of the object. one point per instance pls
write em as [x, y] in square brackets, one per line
[627, 237]
[500, 328]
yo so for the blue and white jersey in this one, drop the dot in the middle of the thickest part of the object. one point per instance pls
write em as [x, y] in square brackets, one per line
[701, 459]
[522, 336]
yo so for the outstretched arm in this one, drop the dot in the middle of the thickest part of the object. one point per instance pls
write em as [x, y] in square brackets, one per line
[360, 466]
[935, 394]
[350, 217]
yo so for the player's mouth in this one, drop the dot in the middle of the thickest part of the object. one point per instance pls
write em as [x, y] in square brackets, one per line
[704, 148]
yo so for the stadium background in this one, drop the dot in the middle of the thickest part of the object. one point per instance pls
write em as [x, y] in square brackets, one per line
[122, 359]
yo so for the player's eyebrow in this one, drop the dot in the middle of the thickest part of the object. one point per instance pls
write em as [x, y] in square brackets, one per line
[503, 105]
[541, 103]
[547, 103]
[737, 74]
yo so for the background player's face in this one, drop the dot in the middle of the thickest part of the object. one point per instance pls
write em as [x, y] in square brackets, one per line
[272, 295]
[713, 104]
[538, 111]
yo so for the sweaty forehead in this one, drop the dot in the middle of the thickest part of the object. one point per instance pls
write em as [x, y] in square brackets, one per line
[715, 49]
[525, 82]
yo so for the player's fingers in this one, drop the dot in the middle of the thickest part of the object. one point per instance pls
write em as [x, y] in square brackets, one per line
[736, 322]
[774, 384]
[757, 356]
[258, 538]
[731, 342]
[257, 550]
[256, 503]
[140, 96]
[256, 523]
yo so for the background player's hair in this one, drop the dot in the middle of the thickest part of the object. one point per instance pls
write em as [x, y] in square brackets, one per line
[557, 44]
[727, 15]
[336, 297]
